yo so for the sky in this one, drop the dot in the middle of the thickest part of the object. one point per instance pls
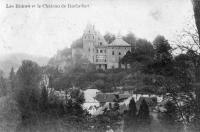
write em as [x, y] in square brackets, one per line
[44, 31]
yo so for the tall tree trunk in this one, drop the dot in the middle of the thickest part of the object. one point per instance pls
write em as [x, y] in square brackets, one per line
[196, 8]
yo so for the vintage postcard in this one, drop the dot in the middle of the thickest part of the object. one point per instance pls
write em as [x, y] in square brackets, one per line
[99, 66]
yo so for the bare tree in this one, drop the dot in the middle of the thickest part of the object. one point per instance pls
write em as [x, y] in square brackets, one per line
[188, 38]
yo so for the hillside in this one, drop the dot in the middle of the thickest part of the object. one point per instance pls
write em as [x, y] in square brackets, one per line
[61, 59]
[14, 60]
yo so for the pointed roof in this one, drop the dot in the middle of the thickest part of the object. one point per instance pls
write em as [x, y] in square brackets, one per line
[119, 42]
[90, 29]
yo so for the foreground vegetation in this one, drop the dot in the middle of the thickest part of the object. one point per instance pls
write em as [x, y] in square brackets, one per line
[156, 71]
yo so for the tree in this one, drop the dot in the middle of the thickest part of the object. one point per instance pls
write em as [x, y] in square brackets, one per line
[163, 58]
[188, 38]
[3, 86]
[196, 8]
[28, 91]
[143, 117]
[169, 118]
[44, 99]
[132, 109]
[184, 72]
[144, 47]
[12, 79]
[170, 111]
[131, 117]
[76, 95]
[77, 43]
[143, 53]
[143, 113]
[1, 73]
[116, 106]
[109, 37]
[129, 58]
[130, 39]
[114, 79]
[194, 59]
[162, 49]
[75, 100]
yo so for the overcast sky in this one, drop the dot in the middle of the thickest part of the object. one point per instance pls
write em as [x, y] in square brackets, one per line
[44, 31]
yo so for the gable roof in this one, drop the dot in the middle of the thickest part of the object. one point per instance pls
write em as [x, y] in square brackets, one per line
[105, 97]
[119, 42]
[111, 97]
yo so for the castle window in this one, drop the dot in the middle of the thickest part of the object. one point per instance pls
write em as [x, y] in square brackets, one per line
[93, 37]
[89, 49]
[101, 51]
[100, 43]
[96, 60]
[97, 51]
[113, 53]
[119, 53]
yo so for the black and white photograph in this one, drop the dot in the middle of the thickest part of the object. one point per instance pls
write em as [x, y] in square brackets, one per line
[99, 65]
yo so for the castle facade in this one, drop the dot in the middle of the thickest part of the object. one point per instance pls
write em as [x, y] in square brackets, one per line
[99, 52]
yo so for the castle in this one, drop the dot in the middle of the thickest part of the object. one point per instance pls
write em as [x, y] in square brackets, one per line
[99, 52]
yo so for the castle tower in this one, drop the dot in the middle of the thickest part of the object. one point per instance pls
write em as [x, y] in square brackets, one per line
[89, 42]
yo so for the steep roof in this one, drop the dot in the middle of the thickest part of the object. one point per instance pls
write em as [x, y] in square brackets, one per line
[119, 42]
[90, 29]
[101, 40]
